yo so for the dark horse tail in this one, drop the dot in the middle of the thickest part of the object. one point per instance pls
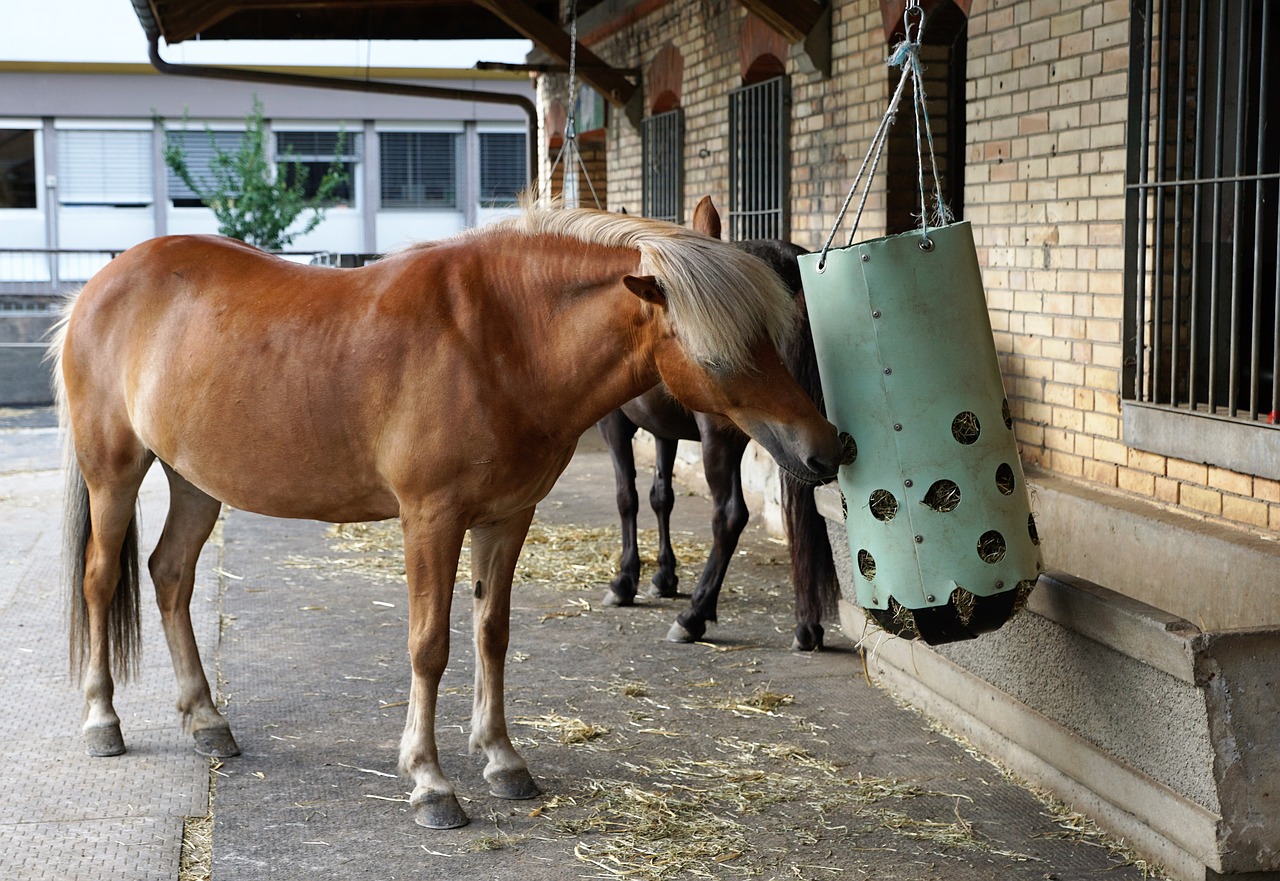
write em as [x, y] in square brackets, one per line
[813, 569]
[124, 629]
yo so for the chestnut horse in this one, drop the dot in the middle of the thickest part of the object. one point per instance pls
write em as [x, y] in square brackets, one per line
[813, 574]
[447, 385]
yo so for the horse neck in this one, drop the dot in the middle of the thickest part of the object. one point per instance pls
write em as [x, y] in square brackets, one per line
[589, 338]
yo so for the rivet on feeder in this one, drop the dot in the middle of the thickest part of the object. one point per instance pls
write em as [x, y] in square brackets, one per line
[875, 313]
[908, 482]
[919, 539]
[866, 258]
[888, 370]
[999, 585]
[897, 426]
[931, 598]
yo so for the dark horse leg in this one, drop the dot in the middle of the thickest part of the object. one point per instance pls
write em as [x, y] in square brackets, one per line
[617, 431]
[722, 449]
[663, 499]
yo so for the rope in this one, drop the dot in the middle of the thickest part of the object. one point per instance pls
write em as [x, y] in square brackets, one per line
[570, 142]
[906, 55]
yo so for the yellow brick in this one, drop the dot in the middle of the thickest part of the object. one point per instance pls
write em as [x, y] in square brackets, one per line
[1101, 425]
[1110, 451]
[1266, 490]
[1167, 490]
[1187, 472]
[1244, 511]
[1144, 461]
[1134, 481]
[1100, 472]
[1068, 465]
[1230, 481]
[1204, 500]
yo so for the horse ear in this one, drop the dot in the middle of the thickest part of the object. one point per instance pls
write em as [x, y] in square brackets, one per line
[646, 288]
[706, 219]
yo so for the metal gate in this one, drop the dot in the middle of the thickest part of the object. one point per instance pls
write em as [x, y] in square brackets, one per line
[759, 124]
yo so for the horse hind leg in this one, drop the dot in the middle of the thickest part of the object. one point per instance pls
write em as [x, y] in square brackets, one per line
[102, 547]
[663, 500]
[617, 431]
[192, 515]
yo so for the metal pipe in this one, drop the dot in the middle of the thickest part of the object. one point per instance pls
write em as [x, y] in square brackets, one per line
[246, 75]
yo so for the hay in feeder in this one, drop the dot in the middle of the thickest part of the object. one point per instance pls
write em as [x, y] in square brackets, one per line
[866, 564]
[943, 496]
[903, 621]
[965, 428]
[1005, 481]
[884, 507]
[991, 546]
[965, 604]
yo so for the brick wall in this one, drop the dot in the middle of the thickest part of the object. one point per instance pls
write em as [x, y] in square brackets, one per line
[1044, 189]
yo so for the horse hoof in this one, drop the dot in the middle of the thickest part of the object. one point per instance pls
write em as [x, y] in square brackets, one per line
[612, 599]
[677, 633]
[808, 639]
[663, 589]
[104, 741]
[516, 784]
[216, 742]
[439, 810]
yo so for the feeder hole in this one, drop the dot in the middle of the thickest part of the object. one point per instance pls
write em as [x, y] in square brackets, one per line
[1008, 414]
[884, 507]
[965, 428]
[866, 564]
[1005, 481]
[943, 496]
[1031, 529]
[991, 546]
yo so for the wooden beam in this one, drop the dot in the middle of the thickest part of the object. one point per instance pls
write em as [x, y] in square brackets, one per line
[551, 38]
[794, 19]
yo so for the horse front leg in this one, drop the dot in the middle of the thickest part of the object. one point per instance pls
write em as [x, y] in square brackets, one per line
[432, 545]
[494, 550]
[722, 449]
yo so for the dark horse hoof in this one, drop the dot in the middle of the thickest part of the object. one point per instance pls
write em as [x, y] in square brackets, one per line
[808, 638]
[690, 631]
[612, 599]
[517, 784]
[439, 810]
[104, 741]
[216, 742]
[665, 588]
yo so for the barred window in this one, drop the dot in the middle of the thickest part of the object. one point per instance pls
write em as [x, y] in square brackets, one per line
[504, 168]
[759, 120]
[420, 169]
[318, 152]
[663, 178]
[1201, 225]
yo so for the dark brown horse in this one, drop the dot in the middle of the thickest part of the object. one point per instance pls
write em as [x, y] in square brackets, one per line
[813, 573]
[446, 385]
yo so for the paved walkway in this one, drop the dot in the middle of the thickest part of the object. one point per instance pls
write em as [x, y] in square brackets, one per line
[717, 759]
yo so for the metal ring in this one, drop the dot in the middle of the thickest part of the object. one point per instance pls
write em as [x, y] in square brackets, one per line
[926, 244]
[822, 266]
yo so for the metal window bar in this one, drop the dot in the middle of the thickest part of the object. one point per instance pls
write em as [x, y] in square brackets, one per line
[663, 175]
[1202, 284]
[759, 126]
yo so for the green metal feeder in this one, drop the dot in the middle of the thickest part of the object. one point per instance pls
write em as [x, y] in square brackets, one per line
[938, 516]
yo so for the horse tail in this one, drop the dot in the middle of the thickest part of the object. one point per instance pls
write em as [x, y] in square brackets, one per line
[813, 569]
[124, 627]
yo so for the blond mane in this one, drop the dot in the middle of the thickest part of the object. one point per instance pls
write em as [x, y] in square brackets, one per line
[721, 300]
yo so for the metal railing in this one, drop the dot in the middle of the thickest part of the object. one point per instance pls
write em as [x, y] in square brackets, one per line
[759, 160]
[663, 140]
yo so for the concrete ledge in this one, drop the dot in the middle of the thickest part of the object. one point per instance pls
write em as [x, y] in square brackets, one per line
[1166, 735]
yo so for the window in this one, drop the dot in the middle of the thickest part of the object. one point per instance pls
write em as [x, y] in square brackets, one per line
[504, 163]
[109, 168]
[317, 152]
[199, 148]
[420, 169]
[759, 119]
[1201, 225]
[17, 168]
[663, 147]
